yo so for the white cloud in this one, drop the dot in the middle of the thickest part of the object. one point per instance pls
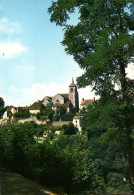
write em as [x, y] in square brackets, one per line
[7, 27]
[26, 96]
[25, 67]
[11, 49]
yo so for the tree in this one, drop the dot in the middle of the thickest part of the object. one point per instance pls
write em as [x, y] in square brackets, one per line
[69, 129]
[2, 109]
[62, 110]
[103, 47]
[42, 109]
[2, 103]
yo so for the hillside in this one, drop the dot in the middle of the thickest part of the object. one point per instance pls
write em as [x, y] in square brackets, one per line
[15, 184]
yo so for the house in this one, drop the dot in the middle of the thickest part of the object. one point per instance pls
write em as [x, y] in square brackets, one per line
[85, 103]
[68, 100]
[9, 112]
[35, 107]
[77, 122]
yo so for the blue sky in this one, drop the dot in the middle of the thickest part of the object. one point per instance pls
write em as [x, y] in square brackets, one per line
[33, 62]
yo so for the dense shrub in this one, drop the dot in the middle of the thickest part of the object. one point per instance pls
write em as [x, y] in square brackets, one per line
[67, 117]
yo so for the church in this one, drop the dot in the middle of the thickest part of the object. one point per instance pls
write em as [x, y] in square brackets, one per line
[69, 100]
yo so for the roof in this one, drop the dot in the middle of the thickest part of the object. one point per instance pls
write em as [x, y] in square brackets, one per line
[67, 104]
[72, 84]
[87, 102]
[48, 98]
[57, 105]
[77, 117]
[35, 106]
[66, 95]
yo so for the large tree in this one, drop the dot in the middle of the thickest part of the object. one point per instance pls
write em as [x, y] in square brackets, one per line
[102, 44]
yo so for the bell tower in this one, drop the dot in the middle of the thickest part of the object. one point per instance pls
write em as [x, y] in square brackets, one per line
[73, 95]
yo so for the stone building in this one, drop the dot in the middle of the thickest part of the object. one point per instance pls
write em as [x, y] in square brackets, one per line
[69, 100]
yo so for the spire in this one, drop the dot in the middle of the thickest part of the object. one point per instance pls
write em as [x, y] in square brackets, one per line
[72, 80]
[72, 84]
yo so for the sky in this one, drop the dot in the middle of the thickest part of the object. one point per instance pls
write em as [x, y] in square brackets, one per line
[33, 63]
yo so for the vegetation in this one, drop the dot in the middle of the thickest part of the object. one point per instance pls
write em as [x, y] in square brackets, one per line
[102, 45]
[22, 114]
[2, 108]
[12, 183]
[73, 163]
[101, 160]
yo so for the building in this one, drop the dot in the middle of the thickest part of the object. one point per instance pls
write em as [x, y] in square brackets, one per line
[35, 107]
[9, 112]
[69, 100]
[77, 122]
[85, 103]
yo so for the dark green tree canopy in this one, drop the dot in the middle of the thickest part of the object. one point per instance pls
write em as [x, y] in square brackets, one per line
[100, 43]
[2, 103]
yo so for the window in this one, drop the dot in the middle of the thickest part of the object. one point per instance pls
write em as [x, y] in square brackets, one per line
[75, 121]
[71, 90]
[57, 100]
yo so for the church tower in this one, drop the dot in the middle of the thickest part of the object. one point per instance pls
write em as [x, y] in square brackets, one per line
[73, 95]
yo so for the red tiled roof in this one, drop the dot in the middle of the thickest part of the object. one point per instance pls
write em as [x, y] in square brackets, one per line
[87, 102]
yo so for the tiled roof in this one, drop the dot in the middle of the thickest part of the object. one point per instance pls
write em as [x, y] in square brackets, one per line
[57, 105]
[67, 104]
[35, 106]
[48, 98]
[72, 85]
[77, 117]
[66, 95]
[87, 102]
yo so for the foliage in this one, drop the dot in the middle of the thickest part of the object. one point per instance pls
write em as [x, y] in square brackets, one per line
[76, 163]
[69, 129]
[56, 117]
[2, 103]
[77, 152]
[62, 110]
[103, 47]
[2, 108]
[22, 114]
[67, 117]
[42, 109]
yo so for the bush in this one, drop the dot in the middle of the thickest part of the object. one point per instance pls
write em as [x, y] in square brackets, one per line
[69, 129]
[56, 117]
[67, 117]
[23, 114]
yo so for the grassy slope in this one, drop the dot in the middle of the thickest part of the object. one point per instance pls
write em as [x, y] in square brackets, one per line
[15, 184]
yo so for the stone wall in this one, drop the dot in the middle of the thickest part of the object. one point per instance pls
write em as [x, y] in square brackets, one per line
[32, 118]
[60, 123]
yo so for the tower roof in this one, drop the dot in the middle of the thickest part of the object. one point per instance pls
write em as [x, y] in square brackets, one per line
[72, 84]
